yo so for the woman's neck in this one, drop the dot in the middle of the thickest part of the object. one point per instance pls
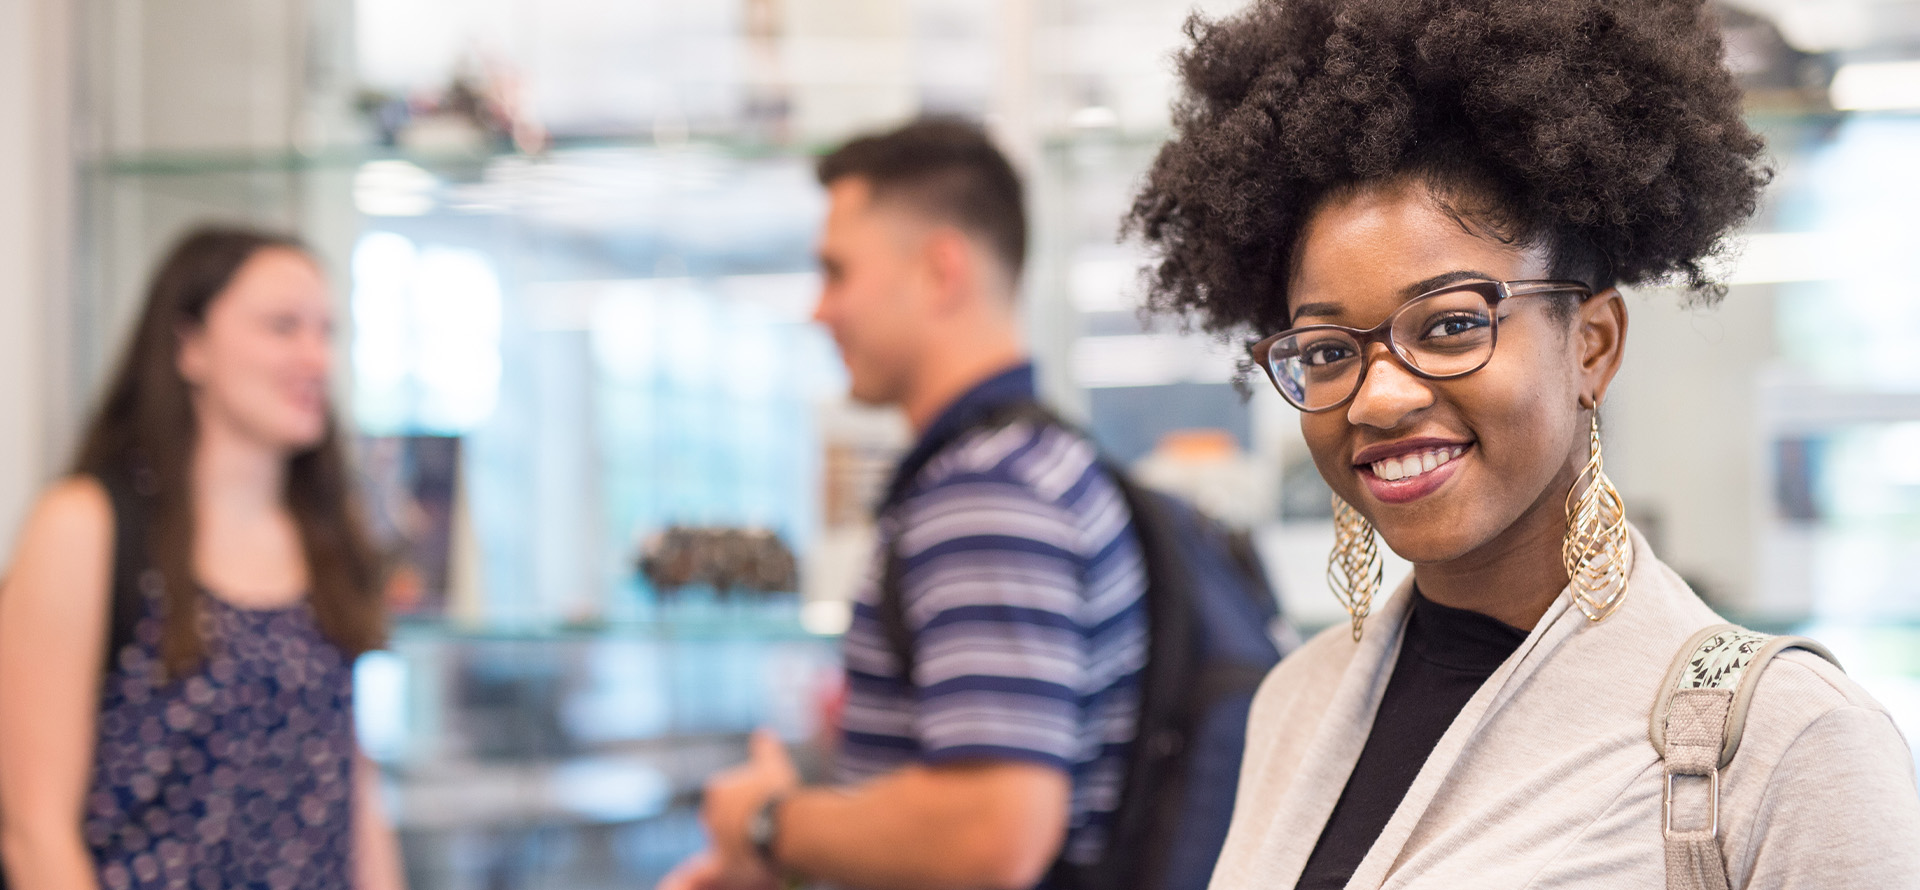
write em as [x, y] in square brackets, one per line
[1513, 578]
[235, 475]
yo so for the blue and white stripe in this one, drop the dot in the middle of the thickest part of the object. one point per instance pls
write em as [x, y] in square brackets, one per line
[1023, 583]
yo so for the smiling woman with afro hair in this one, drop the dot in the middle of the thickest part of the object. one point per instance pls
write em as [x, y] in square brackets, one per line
[1380, 192]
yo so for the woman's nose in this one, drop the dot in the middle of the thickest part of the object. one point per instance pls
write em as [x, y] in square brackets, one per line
[315, 345]
[1388, 392]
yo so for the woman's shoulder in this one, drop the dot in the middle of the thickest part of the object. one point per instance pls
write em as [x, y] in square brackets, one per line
[61, 564]
[1793, 692]
[1326, 651]
[74, 511]
[1305, 678]
[1799, 690]
[1832, 778]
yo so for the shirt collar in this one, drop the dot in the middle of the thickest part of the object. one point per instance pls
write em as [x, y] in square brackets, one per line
[1015, 384]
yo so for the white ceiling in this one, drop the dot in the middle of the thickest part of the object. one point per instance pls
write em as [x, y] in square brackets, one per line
[1878, 27]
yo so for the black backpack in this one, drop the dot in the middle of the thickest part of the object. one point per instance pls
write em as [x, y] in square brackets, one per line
[1214, 632]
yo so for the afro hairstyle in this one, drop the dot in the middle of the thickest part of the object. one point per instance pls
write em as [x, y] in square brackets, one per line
[1607, 131]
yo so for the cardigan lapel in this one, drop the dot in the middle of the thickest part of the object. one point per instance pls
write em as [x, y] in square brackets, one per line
[1335, 747]
[1560, 623]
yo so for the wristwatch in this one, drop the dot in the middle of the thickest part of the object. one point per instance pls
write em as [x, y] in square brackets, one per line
[763, 830]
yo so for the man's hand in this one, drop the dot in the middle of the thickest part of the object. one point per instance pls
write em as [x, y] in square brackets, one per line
[702, 871]
[734, 797]
[958, 826]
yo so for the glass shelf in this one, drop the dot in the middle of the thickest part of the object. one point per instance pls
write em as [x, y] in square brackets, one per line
[162, 163]
[668, 628]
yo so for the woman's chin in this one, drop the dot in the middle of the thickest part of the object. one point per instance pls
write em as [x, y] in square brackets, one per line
[296, 436]
[1427, 545]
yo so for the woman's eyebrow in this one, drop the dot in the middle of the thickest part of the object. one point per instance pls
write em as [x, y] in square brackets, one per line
[1315, 310]
[1442, 280]
[1333, 310]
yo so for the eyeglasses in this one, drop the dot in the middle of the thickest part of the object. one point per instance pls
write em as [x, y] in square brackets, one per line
[1438, 335]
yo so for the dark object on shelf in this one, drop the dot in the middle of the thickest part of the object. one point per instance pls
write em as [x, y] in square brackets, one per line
[729, 560]
[408, 485]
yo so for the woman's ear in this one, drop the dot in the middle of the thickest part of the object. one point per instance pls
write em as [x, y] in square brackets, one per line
[1600, 336]
[189, 357]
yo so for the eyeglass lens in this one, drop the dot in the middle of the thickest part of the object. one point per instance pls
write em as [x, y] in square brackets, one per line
[1446, 334]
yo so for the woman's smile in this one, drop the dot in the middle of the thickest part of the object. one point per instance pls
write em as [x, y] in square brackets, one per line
[1404, 471]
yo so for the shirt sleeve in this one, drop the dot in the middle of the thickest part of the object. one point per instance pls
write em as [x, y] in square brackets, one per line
[1841, 810]
[992, 584]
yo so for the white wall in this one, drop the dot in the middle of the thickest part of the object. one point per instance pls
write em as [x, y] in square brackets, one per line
[35, 222]
[1680, 425]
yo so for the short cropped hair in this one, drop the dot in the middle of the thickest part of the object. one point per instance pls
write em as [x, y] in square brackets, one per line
[948, 170]
[1607, 132]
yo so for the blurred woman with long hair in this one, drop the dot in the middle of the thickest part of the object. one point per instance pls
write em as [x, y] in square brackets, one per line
[178, 629]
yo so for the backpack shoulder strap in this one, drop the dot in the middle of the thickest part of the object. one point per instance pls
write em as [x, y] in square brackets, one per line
[891, 609]
[1696, 727]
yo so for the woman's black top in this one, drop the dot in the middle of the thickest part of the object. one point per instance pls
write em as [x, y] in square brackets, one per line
[1447, 654]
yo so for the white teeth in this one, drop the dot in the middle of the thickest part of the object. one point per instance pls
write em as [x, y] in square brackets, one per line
[1396, 468]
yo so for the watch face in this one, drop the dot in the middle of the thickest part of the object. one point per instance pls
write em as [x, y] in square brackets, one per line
[760, 829]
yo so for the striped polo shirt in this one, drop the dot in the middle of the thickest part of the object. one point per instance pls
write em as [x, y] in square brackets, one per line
[1022, 582]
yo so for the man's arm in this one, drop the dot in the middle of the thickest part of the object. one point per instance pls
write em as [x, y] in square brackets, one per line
[981, 825]
[995, 825]
[993, 587]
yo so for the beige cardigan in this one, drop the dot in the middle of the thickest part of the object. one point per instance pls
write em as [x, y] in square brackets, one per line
[1547, 779]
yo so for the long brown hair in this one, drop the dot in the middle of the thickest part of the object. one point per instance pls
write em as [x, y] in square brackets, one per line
[145, 426]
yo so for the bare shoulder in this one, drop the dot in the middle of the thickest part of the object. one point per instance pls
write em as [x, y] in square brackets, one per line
[68, 535]
[76, 504]
[74, 511]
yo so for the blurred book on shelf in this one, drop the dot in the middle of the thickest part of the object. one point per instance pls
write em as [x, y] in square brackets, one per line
[408, 488]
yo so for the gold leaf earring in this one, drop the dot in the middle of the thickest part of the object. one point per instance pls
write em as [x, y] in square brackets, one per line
[1597, 551]
[1354, 568]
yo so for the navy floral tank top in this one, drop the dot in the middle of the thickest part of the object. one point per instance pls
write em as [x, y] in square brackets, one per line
[239, 775]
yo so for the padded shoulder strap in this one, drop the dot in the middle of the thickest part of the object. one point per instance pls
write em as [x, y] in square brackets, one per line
[1696, 727]
[1727, 659]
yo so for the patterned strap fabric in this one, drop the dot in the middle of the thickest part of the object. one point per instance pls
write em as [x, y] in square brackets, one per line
[1719, 661]
[1696, 728]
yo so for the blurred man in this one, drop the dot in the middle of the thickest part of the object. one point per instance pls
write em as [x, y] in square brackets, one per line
[994, 755]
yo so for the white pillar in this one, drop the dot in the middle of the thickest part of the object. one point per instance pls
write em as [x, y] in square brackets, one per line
[36, 188]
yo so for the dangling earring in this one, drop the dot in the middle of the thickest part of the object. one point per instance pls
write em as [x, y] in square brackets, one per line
[1597, 551]
[1354, 568]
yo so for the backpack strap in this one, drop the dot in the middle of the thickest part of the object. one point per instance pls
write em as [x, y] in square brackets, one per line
[892, 606]
[1696, 727]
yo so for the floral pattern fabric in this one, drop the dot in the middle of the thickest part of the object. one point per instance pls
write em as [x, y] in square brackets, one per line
[239, 775]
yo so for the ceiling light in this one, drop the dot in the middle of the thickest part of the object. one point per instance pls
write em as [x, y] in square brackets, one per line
[1876, 86]
[393, 188]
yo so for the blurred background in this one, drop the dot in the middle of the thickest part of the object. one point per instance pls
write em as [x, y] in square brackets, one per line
[614, 462]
